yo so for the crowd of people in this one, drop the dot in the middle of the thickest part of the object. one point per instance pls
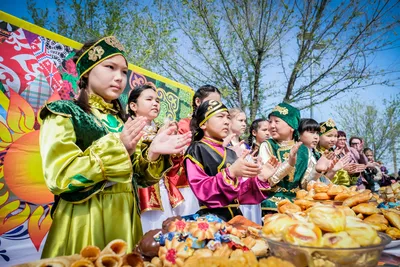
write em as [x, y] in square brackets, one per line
[116, 175]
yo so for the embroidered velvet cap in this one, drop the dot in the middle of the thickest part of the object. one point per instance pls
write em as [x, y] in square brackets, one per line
[289, 114]
[327, 126]
[208, 109]
[104, 48]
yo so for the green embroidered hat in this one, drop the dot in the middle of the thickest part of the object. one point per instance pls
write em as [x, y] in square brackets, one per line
[327, 126]
[104, 48]
[289, 114]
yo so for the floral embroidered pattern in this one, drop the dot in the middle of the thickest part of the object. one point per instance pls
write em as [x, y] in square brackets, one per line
[111, 40]
[281, 110]
[323, 129]
[96, 53]
[330, 123]
[286, 156]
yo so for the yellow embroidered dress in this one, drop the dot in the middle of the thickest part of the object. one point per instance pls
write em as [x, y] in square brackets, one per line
[341, 177]
[86, 165]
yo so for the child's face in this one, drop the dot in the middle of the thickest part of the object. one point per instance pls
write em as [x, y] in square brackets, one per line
[217, 127]
[310, 138]
[147, 105]
[262, 133]
[328, 140]
[279, 129]
[370, 155]
[108, 78]
[238, 124]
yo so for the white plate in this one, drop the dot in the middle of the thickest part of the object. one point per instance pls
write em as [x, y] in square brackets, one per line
[393, 244]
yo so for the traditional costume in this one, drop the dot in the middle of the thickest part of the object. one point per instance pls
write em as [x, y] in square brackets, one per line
[206, 164]
[250, 212]
[341, 177]
[172, 196]
[287, 179]
[89, 170]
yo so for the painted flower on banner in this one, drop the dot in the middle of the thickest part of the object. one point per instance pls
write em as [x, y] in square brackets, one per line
[20, 144]
[66, 91]
[71, 67]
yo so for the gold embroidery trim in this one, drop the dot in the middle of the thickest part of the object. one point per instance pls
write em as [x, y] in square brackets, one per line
[281, 110]
[95, 53]
[111, 40]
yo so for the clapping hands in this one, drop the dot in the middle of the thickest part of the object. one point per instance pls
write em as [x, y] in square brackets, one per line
[167, 142]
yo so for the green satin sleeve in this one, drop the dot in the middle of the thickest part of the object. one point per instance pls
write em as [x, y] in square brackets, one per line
[147, 172]
[68, 169]
[341, 178]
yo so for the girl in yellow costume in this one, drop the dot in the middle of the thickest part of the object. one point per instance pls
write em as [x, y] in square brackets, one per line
[90, 157]
[327, 140]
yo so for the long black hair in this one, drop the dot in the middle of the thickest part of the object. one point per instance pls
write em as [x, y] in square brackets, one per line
[134, 95]
[83, 97]
[255, 125]
[310, 125]
[202, 93]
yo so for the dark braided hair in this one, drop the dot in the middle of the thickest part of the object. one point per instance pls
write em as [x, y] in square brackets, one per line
[202, 93]
[83, 98]
[255, 125]
[198, 133]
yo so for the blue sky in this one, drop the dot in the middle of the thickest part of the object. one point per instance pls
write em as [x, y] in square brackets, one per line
[371, 95]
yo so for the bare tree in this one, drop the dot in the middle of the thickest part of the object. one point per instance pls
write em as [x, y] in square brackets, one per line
[380, 130]
[341, 40]
[146, 37]
[227, 43]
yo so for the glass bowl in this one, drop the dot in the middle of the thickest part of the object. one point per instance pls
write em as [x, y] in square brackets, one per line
[302, 256]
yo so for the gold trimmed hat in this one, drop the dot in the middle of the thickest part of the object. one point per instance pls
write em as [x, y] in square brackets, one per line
[103, 49]
[208, 109]
[327, 126]
[289, 114]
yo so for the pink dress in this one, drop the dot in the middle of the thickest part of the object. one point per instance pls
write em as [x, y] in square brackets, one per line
[219, 189]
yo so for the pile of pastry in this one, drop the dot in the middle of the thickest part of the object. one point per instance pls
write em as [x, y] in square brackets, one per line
[114, 254]
[362, 205]
[183, 242]
[318, 191]
[320, 226]
[390, 193]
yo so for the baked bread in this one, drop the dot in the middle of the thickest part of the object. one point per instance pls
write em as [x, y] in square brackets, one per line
[276, 224]
[361, 232]
[366, 209]
[321, 196]
[301, 194]
[358, 198]
[376, 218]
[328, 218]
[303, 234]
[339, 240]
[285, 206]
[393, 232]
[392, 217]
[334, 190]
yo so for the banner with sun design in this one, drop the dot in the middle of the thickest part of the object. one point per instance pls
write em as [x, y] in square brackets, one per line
[35, 67]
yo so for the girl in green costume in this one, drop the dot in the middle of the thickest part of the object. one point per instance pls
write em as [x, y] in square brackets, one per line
[283, 124]
[320, 167]
[91, 160]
